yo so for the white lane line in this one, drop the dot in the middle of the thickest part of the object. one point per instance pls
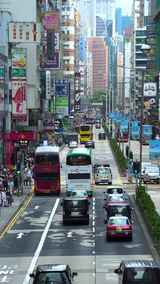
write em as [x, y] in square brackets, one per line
[41, 243]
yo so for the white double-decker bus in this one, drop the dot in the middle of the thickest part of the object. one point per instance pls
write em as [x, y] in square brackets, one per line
[79, 170]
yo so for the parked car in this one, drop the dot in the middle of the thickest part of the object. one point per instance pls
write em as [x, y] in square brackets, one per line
[119, 227]
[103, 175]
[73, 144]
[53, 273]
[90, 144]
[75, 209]
[138, 271]
[151, 174]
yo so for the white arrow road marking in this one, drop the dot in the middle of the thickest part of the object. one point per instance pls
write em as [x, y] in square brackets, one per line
[20, 235]
[36, 207]
[4, 279]
[41, 243]
[69, 235]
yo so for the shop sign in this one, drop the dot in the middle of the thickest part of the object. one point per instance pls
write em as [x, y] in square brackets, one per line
[19, 100]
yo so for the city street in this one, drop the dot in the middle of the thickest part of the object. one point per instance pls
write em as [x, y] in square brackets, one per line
[39, 237]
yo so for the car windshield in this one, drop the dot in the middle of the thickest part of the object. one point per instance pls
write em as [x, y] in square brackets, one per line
[116, 197]
[103, 171]
[76, 203]
[143, 276]
[118, 209]
[153, 170]
[52, 277]
[118, 221]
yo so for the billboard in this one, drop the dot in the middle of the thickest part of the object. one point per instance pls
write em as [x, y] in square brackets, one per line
[24, 32]
[154, 150]
[51, 21]
[18, 63]
[62, 97]
[19, 108]
[135, 130]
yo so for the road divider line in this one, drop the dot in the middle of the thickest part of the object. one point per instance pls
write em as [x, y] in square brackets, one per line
[18, 213]
[41, 243]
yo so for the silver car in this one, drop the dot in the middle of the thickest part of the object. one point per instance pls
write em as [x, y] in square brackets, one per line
[151, 174]
[103, 175]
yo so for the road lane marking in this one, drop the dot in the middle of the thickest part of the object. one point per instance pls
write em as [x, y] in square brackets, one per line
[17, 215]
[41, 243]
[20, 235]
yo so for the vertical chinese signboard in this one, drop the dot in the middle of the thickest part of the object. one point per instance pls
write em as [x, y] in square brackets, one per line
[19, 109]
[62, 98]
[50, 58]
[2, 68]
[77, 97]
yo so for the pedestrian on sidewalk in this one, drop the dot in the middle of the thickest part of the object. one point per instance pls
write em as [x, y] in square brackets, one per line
[3, 198]
[9, 198]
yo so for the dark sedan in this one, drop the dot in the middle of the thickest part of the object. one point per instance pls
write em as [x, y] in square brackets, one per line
[90, 144]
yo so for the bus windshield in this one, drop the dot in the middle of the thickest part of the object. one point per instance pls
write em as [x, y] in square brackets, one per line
[47, 158]
[84, 128]
[79, 160]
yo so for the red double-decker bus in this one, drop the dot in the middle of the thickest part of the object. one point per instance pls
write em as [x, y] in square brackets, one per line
[46, 172]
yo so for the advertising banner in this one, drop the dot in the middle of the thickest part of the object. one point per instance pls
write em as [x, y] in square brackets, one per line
[18, 63]
[135, 130]
[154, 150]
[150, 101]
[50, 58]
[62, 97]
[147, 131]
[19, 110]
[124, 126]
[51, 21]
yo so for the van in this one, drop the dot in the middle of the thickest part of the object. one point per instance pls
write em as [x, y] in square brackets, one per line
[75, 209]
[138, 272]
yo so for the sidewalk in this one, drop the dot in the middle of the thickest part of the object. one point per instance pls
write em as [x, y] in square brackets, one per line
[8, 215]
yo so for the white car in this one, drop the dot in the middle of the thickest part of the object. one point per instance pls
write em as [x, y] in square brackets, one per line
[73, 144]
[114, 190]
[103, 175]
[151, 174]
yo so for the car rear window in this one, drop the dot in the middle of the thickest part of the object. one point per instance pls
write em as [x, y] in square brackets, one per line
[114, 190]
[143, 275]
[118, 221]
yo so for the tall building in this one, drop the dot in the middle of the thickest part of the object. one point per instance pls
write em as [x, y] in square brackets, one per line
[68, 30]
[97, 47]
[122, 22]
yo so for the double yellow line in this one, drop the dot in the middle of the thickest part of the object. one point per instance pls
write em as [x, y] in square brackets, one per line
[18, 213]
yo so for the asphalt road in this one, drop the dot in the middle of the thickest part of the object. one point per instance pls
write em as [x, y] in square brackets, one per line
[39, 237]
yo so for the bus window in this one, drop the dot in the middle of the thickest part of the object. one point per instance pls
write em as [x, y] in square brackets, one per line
[85, 128]
[78, 160]
[44, 158]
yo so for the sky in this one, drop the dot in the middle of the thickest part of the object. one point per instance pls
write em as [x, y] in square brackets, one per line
[126, 6]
